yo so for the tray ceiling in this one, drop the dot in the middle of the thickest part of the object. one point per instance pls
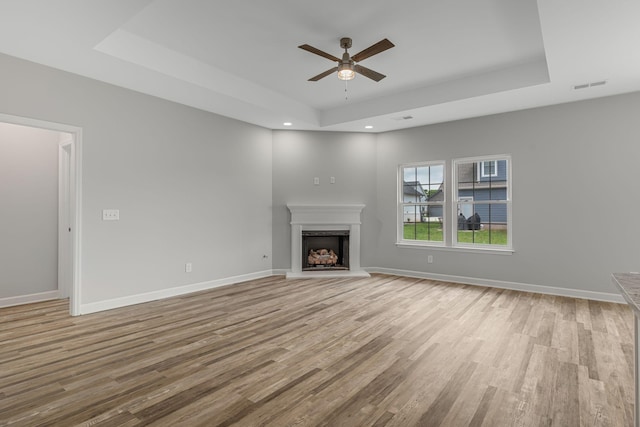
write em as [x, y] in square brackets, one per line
[452, 60]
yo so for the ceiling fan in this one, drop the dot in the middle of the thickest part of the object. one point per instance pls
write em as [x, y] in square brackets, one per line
[347, 66]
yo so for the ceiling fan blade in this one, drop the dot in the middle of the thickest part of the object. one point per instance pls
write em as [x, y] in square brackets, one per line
[322, 75]
[367, 72]
[381, 46]
[319, 52]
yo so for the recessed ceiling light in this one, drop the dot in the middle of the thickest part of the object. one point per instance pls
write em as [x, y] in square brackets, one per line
[368, 127]
[287, 123]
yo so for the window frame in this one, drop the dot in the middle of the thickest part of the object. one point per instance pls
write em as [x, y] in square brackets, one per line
[401, 204]
[507, 202]
[450, 207]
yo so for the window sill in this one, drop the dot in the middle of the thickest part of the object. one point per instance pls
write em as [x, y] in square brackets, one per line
[441, 247]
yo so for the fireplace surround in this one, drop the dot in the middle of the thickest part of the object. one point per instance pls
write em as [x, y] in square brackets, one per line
[337, 219]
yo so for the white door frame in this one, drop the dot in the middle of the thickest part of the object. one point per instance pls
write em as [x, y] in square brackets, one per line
[65, 266]
[74, 150]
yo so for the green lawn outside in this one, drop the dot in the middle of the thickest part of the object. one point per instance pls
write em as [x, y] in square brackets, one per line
[432, 231]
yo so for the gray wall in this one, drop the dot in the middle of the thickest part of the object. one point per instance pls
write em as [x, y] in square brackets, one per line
[191, 186]
[575, 178]
[196, 187]
[298, 157]
[29, 213]
[575, 203]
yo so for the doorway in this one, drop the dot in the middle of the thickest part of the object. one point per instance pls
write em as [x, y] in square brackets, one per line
[69, 205]
[65, 248]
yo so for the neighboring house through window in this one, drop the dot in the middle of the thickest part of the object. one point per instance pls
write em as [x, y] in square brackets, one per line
[482, 191]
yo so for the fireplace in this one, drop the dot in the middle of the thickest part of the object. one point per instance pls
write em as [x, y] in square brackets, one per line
[333, 230]
[325, 250]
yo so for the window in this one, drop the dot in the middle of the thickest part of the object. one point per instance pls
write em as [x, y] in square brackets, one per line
[483, 202]
[474, 212]
[488, 168]
[421, 202]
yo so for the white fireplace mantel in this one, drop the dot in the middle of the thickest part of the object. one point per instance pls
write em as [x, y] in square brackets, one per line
[325, 217]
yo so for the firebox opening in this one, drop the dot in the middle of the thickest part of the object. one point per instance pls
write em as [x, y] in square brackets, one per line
[325, 250]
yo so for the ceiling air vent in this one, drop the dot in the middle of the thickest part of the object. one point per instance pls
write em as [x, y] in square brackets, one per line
[588, 85]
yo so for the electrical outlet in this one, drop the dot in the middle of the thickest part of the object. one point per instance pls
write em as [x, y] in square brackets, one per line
[430, 259]
[110, 215]
[188, 267]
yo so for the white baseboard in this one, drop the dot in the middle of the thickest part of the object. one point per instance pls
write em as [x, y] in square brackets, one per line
[94, 307]
[196, 287]
[28, 299]
[515, 286]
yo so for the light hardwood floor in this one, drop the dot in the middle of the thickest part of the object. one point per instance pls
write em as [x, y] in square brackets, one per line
[384, 351]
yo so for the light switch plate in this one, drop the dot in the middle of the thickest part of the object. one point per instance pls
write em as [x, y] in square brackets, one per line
[110, 214]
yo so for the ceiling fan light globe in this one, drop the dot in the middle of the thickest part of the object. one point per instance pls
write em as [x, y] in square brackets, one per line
[346, 74]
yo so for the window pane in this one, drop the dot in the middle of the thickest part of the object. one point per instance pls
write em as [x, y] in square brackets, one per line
[480, 181]
[411, 214]
[421, 183]
[423, 223]
[487, 225]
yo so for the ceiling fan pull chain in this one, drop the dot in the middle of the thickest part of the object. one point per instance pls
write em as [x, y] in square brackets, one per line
[346, 96]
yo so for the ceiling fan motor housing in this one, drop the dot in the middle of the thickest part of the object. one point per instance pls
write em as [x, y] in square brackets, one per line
[346, 60]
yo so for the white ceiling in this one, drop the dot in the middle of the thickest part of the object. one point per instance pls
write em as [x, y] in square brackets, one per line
[453, 59]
